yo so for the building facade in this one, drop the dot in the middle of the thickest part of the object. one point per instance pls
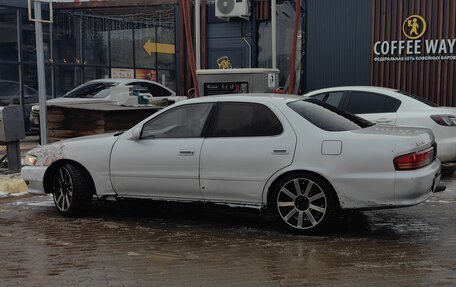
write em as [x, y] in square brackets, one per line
[408, 45]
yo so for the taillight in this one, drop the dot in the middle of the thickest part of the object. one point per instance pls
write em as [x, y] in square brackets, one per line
[414, 160]
[445, 120]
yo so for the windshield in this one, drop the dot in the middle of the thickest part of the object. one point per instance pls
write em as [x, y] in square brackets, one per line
[91, 90]
[327, 117]
[423, 100]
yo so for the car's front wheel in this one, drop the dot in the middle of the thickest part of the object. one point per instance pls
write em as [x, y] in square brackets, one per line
[304, 203]
[71, 190]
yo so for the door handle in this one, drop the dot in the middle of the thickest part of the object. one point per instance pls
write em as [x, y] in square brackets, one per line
[281, 150]
[186, 152]
[383, 121]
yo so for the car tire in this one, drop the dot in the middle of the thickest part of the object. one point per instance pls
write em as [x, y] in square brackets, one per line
[71, 190]
[304, 203]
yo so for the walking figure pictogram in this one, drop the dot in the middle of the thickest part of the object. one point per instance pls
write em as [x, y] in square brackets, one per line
[413, 24]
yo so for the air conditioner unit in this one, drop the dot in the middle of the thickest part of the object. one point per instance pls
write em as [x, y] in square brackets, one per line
[232, 8]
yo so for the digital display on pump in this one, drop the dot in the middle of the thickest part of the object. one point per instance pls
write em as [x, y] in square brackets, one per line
[212, 89]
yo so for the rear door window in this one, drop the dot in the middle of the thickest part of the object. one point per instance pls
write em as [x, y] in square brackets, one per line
[360, 102]
[245, 120]
[92, 90]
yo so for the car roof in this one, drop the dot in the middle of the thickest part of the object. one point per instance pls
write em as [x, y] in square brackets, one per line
[352, 88]
[122, 81]
[252, 97]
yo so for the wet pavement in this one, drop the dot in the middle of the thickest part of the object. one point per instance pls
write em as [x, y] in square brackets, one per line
[143, 243]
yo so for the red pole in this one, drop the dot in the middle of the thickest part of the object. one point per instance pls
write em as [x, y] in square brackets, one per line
[295, 42]
[190, 51]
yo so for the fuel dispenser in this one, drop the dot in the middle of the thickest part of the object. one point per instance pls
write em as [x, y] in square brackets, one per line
[237, 81]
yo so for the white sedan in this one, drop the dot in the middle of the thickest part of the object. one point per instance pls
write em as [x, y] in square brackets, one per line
[303, 159]
[393, 107]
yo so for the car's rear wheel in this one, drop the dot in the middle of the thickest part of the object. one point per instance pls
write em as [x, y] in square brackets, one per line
[71, 190]
[304, 203]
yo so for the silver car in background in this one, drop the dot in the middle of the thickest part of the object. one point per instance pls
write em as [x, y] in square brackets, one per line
[397, 108]
[99, 91]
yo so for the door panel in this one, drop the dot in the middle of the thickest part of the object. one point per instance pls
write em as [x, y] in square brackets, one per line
[164, 162]
[157, 167]
[236, 168]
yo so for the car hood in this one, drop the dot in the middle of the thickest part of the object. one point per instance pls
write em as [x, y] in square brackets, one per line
[80, 148]
[89, 138]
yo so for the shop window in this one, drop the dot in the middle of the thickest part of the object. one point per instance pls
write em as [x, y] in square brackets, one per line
[165, 35]
[167, 78]
[67, 29]
[30, 81]
[122, 47]
[66, 78]
[144, 44]
[95, 73]
[95, 41]
[8, 34]
[29, 41]
[9, 84]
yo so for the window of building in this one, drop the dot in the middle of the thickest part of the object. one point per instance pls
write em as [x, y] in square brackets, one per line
[92, 73]
[95, 39]
[144, 46]
[181, 122]
[8, 34]
[29, 41]
[67, 39]
[66, 79]
[167, 78]
[245, 120]
[121, 45]
[30, 80]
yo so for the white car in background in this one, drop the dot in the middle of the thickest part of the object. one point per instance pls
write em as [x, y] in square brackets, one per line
[99, 91]
[392, 107]
[303, 159]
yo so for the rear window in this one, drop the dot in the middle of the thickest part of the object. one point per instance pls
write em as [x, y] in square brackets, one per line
[423, 100]
[327, 117]
[92, 90]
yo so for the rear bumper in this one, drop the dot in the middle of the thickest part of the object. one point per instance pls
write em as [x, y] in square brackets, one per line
[414, 187]
[34, 176]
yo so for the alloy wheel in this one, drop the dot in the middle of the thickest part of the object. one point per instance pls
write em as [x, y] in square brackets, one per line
[63, 189]
[301, 203]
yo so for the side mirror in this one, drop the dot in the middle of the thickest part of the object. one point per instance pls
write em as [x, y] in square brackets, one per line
[135, 134]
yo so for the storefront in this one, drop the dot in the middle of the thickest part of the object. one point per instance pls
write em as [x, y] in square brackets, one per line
[339, 43]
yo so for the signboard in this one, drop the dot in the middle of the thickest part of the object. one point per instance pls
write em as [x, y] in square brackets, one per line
[414, 45]
[146, 74]
[122, 73]
[414, 48]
